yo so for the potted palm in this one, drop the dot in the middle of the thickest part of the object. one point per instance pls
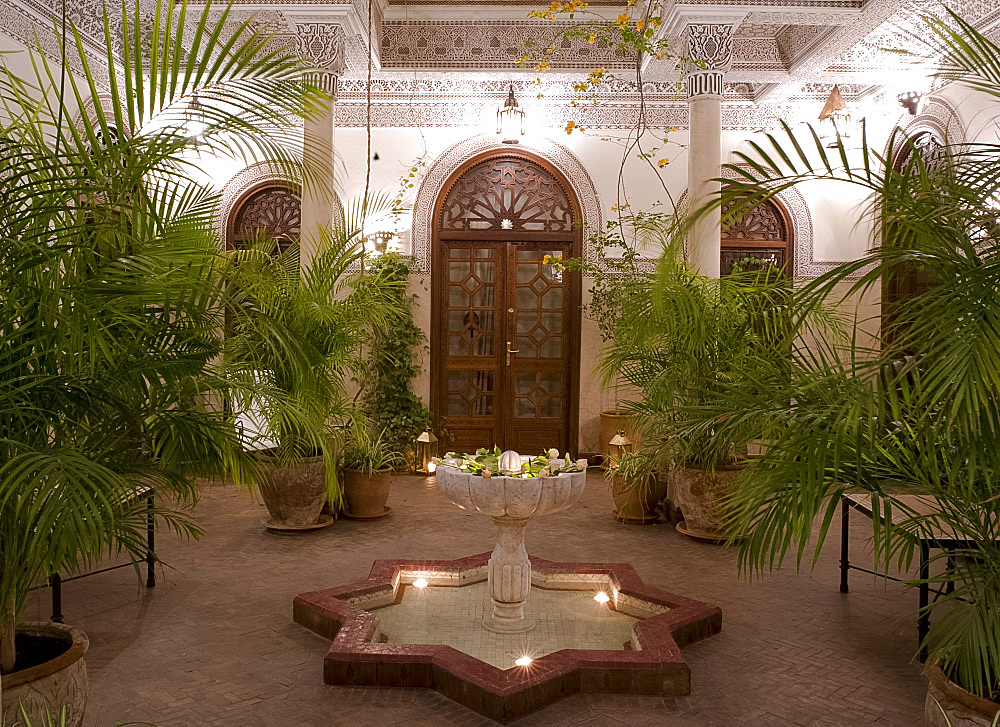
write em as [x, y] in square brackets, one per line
[109, 317]
[368, 462]
[686, 336]
[326, 313]
[916, 412]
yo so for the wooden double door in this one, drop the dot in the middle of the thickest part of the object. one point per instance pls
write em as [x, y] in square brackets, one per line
[505, 335]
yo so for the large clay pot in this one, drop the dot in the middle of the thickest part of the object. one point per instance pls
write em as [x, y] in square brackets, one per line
[963, 709]
[295, 494]
[637, 503]
[701, 494]
[60, 682]
[612, 422]
[366, 493]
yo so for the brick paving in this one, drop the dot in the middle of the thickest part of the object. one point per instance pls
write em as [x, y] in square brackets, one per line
[214, 642]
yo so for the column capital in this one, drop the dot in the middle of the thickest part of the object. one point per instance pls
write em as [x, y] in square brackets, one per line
[709, 50]
[323, 44]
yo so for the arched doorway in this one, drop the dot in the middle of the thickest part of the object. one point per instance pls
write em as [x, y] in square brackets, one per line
[763, 234]
[505, 327]
[272, 208]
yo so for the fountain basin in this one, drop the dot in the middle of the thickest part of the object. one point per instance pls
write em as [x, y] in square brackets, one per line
[516, 497]
[361, 654]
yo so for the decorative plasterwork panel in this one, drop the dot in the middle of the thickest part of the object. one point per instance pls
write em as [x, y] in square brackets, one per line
[323, 44]
[437, 174]
[487, 44]
[797, 41]
[802, 229]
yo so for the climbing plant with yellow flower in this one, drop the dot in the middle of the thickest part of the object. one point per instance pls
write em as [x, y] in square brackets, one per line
[636, 37]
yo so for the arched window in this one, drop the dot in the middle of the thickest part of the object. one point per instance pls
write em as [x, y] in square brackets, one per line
[763, 234]
[273, 209]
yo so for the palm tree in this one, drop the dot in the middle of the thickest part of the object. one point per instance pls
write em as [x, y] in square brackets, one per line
[110, 310]
[918, 411]
[326, 313]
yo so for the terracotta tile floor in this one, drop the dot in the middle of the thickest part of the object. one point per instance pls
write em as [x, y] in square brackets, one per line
[214, 642]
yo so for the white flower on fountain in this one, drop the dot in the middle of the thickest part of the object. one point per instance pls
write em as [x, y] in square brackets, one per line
[510, 495]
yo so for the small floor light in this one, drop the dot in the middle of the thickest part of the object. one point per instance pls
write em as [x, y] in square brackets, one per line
[523, 661]
[619, 445]
[425, 449]
[602, 597]
[420, 583]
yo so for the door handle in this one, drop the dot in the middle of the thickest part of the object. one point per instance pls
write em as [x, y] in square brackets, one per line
[510, 351]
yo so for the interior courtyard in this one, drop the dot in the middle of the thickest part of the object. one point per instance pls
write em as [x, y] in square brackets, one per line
[431, 362]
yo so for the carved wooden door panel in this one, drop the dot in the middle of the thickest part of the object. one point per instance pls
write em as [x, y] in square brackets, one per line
[505, 338]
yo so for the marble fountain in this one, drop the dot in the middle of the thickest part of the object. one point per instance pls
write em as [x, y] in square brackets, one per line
[503, 633]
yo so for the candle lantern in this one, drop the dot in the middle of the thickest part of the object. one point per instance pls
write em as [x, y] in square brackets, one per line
[619, 445]
[425, 450]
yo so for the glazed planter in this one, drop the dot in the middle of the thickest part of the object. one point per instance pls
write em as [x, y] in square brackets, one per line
[510, 501]
[366, 493]
[295, 495]
[701, 494]
[613, 421]
[637, 504]
[61, 682]
[963, 709]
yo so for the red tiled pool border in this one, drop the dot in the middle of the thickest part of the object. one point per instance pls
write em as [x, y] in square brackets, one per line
[356, 658]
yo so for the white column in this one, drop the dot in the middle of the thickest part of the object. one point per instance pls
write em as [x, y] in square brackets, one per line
[317, 194]
[712, 45]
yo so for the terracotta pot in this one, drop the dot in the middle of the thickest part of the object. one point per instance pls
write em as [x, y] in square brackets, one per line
[612, 422]
[963, 709]
[700, 494]
[295, 494]
[366, 492]
[637, 504]
[52, 685]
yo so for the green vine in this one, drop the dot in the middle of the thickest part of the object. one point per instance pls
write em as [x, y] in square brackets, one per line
[387, 400]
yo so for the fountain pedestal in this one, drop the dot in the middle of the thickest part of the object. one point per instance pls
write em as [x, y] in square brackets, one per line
[509, 578]
[510, 501]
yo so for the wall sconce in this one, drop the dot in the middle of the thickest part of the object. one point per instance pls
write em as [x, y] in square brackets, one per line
[194, 125]
[840, 118]
[510, 119]
[910, 100]
[383, 242]
[425, 450]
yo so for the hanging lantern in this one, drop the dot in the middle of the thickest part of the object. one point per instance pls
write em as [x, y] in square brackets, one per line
[619, 445]
[510, 119]
[194, 125]
[837, 112]
[425, 449]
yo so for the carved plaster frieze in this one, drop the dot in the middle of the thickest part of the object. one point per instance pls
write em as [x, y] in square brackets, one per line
[449, 160]
[488, 44]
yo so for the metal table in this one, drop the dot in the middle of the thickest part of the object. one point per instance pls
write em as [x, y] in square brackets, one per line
[919, 504]
[55, 581]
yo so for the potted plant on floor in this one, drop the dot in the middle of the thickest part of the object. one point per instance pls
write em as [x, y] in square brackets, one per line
[326, 312]
[688, 335]
[368, 462]
[635, 488]
[109, 317]
[917, 411]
